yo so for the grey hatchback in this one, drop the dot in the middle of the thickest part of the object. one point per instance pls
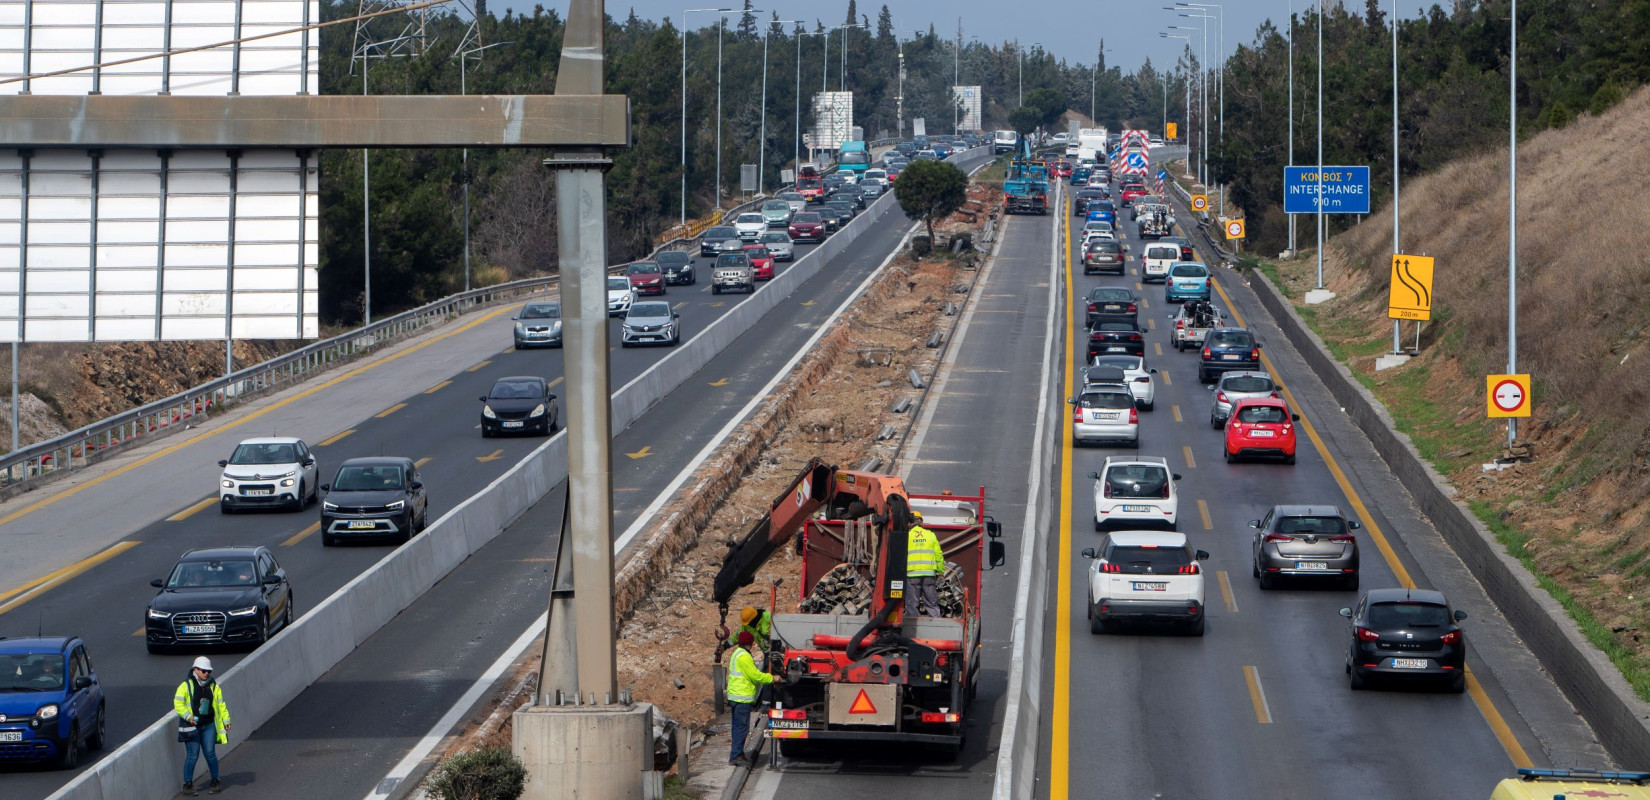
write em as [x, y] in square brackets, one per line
[1305, 541]
[1235, 386]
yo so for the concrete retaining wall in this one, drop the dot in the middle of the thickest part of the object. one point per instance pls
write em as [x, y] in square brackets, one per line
[1586, 676]
[146, 766]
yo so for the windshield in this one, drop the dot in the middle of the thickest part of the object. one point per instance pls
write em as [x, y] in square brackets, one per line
[31, 672]
[1188, 271]
[857, 157]
[1116, 326]
[1137, 480]
[367, 479]
[780, 206]
[1261, 414]
[1105, 246]
[749, 219]
[875, 174]
[650, 310]
[775, 238]
[757, 252]
[644, 268]
[791, 196]
[1387, 616]
[1311, 525]
[1111, 295]
[733, 260]
[265, 454]
[1246, 383]
[515, 390]
[618, 284]
[1097, 225]
[1106, 400]
[1230, 339]
[542, 311]
[1148, 560]
[1120, 362]
[721, 232]
[200, 574]
[674, 257]
[1169, 253]
[811, 216]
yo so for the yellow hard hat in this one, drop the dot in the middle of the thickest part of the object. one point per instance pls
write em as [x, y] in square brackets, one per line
[916, 515]
[748, 615]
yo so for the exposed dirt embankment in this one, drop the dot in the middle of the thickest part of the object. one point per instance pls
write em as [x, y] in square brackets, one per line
[1575, 513]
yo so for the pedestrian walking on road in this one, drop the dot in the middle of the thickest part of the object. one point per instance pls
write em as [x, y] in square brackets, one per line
[743, 678]
[203, 723]
[923, 561]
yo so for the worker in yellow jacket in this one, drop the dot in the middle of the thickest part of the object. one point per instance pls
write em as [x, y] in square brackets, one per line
[203, 723]
[743, 678]
[924, 560]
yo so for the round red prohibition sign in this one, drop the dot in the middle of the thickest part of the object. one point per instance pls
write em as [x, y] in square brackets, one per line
[1508, 396]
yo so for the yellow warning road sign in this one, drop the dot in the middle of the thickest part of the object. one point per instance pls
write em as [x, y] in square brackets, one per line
[1234, 229]
[1508, 396]
[1200, 203]
[1172, 129]
[1410, 296]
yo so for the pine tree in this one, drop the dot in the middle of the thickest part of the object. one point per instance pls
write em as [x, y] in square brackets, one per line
[747, 22]
[853, 14]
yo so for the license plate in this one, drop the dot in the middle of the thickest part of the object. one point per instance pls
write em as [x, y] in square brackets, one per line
[1114, 307]
[259, 492]
[1116, 349]
[189, 629]
[362, 525]
[1108, 417]
[788, 724]
[513, 424]
[1228, 358]
[1409, 663]
[1261, 434]
[1311, 565]
[11, 736]
[1148, 587]
[1138, 509]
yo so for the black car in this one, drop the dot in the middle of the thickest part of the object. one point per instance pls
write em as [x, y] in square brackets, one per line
[1313, 543]
[218, 596]
[1184, 243]
[1080, 202]
[716, 239]
[1116, 338]
[848, 196]
[519, 404]
[844, 212]
[375, 497]
[1112, 304]
[1227, 349]
[1406, 634]
[678, 267]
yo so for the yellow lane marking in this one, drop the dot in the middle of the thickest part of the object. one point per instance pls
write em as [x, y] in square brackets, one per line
[302, 535]
[1257, 695]
[1166, 380]
[1191, 463]
[335, 439]
[493, 456]
[1060, 746]
[1203, 511]
[479, 366]
[1139, 287]
[678, 306]
[1226, 591]
[1151, 325]
[1157, 349]
[1486, 707]
[438, 387]
[28, 591]
[422, 461]
[192, 510]
[646, 451]
[141, 631]
[508, 350]
[391, 410]
[720, 382]
[554, 383]
[807, 302]
[1176, 410]
[1144, 303]
[236, 423]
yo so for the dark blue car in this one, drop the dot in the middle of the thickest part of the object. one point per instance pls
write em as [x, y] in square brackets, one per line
[1228, 350]
[51, 703]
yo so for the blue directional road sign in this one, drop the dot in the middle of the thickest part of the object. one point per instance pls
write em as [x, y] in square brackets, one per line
[1162, 175]
[1137, 161]
[1345, 190]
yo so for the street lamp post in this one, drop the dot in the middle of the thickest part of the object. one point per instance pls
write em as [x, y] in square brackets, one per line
[1395, 250]
[798, 121]
[1207, 175]
[1221, 61]
[1320, 144]
[366, 188]
[1188, 40]
[463, 89]
[1512, 216]
[1203, 99]
[684, 102]
[1291, 114]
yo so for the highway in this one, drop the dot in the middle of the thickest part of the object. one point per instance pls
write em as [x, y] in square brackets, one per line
[128, 520]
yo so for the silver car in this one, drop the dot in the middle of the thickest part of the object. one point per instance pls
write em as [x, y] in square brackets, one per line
[1235, 386]
[795, 200]
[1105, 414]
[777, 213]
[652, 322]
[779, 245]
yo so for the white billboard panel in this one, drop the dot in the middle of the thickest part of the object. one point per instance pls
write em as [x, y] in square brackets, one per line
[833, 119]
[969, 98]
[137, 245]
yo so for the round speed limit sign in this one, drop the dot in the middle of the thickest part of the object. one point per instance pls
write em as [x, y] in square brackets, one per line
[1234, 229]
[1200, 203]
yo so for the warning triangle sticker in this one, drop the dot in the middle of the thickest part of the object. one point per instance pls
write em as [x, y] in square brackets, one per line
[862, 704]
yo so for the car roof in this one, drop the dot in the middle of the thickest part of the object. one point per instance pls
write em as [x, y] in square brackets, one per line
[1298, 510]
[637, 308]
[518, 378]
[1248, 373]
[16, 645]
[1112, 461]
[1399, 595]
[220, 553]
[375, 461]
[272, 440]
[1268, 400]
[1147, 538]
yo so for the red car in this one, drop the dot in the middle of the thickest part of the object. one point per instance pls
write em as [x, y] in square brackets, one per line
[646, 277]
[1063, 169]
[761, 262]
[1261, 427]
[807, 225]
[893, 173]
[1131, 191]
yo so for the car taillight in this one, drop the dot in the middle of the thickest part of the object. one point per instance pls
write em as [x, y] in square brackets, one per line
[1220, 397]
[1134, 416]
[1189, 569]
[1367, 635]
[1343, 538]
[1104, 567]
[1180, 324]
[1165, 494]
[1076, 413]
[787, 713]
[1134, 337]
[1254, 354]
[1094, 308]
[1105, 489]
[1132, 308]
[1279, 537]
[1453, 637]
[1205, 351]
[935, 716]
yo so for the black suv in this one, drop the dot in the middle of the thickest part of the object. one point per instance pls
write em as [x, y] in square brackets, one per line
[1227, 349]
[376, 497]
[716, 240]
[219, 596]
[678, 267]
[1406, 634]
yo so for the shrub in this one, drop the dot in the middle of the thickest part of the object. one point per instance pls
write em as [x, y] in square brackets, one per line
[490, 773]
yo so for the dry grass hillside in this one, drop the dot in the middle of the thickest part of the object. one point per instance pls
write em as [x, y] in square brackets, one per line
[1577, 513]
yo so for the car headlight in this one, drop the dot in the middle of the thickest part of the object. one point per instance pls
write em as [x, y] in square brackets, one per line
[326, 506]
[227, 483]
[397, 505]
[520, 329]
[538, 411]
[48, 711]
[153, 614]
[487, 411]
[287, 482]
[244, 612]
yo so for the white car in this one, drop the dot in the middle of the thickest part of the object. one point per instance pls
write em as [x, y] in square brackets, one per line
[797, 202]
[1156, 261]
[876, 176]
[1136, 375]
[1135, 491]
[1098, 225]
[750, 226]
[1145, 576]
[1090, 236]
[1072, 150]
[272, 471]
[620, 295]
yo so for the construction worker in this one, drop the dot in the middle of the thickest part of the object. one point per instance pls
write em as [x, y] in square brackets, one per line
[743, 678]
[923, 562]
[758, 621]
[203, 723]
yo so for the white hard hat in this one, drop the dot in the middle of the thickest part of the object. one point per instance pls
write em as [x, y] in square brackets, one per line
[204, 664]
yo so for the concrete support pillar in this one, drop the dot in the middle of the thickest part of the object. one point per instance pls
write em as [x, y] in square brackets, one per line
[584, 752]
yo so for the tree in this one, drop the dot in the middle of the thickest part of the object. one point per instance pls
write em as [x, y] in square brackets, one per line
[929, 190]
[1024, 119]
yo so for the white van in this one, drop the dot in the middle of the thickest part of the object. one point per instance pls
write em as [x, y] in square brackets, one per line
[1157, 260]
[1005, 142]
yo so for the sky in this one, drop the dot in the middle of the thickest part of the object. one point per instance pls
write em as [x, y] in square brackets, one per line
[1130, 29]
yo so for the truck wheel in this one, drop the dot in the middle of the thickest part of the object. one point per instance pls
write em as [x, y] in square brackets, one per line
[716, 290]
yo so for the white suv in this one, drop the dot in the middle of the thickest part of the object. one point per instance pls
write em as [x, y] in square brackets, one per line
[1137, 490]
[1145, 576]
[268, 472]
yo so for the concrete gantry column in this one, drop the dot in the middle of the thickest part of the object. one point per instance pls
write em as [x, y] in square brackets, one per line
[584, 752]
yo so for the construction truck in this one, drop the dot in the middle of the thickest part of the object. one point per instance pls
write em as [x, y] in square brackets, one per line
[1025, 186]
[849, 665]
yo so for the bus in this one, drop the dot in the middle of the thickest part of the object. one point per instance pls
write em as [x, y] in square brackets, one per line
[854, 157]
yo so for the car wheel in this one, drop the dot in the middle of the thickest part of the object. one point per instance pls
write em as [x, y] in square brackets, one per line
[486, 434]
[1174, 526]
[1214, 422]
[100, 732]
[1198, 627]
[1267, 582]
[1350, 583]
[1254, 569]
[328, 540]
[263, 631]
[70, 757]
[1458, 684]
[225, 508]
[1356, 679]
[1229, 457]
[1288, 459]
[715, 290]
[300, 499]
[1096, 624]
[624, 344]
[1099, 526]
[286, 620]
[555, 425]
[1148, 406]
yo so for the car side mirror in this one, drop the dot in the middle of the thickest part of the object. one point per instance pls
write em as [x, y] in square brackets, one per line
[1094, 475]
[82, 682]
[996, 554]
[1254, 523]
[1153, 370]
[223, 462]
[515, 319]
[1071, 401]
[158, 583]
[271, 580]
[1346, 612]
[993, 528]
[326, 487]
[1295, 417]
[552, 397]
[1460, 615]
[483, 398]
[1203, 555]
[1176, 475]
[417, 486]
[309, 462]
[1354, 524]
[1088, 552]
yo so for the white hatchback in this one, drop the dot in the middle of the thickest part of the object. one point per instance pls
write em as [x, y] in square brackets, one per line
[1146, 577]
[268, 472]
[1136, 375]
[750, 226]
[1135, 490]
